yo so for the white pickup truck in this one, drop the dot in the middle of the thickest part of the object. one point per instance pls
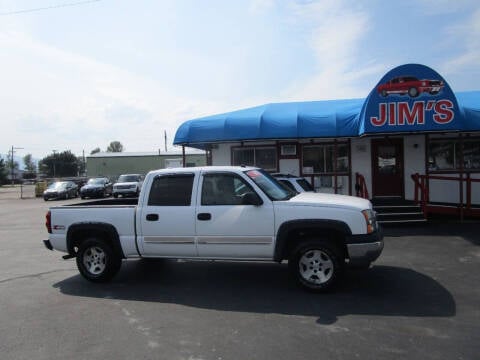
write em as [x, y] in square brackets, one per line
[223, 213]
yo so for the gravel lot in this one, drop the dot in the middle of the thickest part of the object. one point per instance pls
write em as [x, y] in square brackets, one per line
[420, 301]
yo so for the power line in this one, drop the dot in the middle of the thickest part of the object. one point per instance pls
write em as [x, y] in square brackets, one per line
[48, 7]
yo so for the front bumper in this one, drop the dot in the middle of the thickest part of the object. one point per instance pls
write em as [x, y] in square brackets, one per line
[92, 193]
[49, 196]
[365, 248]
[125, 192]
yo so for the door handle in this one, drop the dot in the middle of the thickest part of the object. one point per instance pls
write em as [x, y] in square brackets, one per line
[152, 217]
[204, 216]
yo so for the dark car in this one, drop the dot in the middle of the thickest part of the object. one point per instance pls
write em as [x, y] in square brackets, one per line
[409, 85]
[61, 190]
[96, 187]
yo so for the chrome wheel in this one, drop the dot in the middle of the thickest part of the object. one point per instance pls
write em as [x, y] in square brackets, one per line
[316, 267]
[94, 260]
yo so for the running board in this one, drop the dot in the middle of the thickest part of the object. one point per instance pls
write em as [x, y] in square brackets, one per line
[401, 221]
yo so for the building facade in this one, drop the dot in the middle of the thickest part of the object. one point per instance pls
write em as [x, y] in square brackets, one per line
[412, 138]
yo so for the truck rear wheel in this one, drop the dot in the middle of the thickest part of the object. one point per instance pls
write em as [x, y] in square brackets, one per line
[96, 260]
[316, 265]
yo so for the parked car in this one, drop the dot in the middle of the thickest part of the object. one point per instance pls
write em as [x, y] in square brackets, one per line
[295, 183]
[410, 85]
[96, 187]
[61, 190]
[128, 185]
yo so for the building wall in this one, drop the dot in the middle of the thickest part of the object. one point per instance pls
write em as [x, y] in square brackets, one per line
[361, 160]
[289, 166]
[222, 154]
[414, 161]
[112, 167]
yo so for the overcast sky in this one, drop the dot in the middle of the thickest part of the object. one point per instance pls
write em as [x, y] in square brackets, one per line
[78, 77]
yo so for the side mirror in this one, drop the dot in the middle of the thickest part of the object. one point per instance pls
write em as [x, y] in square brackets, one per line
[250, 198]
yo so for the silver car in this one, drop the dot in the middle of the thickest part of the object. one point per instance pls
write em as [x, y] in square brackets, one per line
[128, 185]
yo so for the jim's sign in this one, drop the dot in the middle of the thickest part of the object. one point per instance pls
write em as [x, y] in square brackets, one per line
[410, 98]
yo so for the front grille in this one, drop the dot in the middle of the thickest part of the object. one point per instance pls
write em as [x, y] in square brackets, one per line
[123, 187]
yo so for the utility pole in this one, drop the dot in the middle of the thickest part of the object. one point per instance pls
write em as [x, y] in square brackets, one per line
[12, 163]
[84, 164]
[54, 160]
[165, 140]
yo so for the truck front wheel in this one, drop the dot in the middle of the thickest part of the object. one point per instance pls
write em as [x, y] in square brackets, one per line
[316, 265]
[96, 260]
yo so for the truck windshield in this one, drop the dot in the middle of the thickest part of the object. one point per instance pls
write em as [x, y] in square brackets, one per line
[269, 185]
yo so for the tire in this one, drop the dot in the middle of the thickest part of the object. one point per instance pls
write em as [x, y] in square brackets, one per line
[384, 93]
[96, 260]
[413, 92]
[115, 196]
[316, 265]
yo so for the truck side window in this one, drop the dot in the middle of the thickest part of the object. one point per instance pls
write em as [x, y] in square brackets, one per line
[171, 190]
[223, 189]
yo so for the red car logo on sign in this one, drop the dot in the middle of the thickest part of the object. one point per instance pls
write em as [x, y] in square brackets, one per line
[411, 86]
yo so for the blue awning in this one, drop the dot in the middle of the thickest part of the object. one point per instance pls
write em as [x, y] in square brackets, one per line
[469, 103]
[336, 118]
[300, 120]
[408, 98]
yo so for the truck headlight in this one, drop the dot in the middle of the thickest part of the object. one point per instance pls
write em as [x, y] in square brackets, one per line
[370, 220]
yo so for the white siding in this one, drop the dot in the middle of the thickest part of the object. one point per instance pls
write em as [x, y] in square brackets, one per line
[414, 161]
[289, 166]
[361, 162]
[222, 155]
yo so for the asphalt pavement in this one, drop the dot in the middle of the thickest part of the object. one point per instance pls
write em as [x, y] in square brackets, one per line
[421, 300]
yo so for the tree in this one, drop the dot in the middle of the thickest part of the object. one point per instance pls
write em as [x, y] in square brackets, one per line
[3, 172]
[59, 165]
[12, 167]
[94, 151]
[30, 165]
[115, 146]
[12, 164]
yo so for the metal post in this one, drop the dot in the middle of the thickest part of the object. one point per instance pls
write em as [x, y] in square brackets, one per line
[12, 163]
[184, 158]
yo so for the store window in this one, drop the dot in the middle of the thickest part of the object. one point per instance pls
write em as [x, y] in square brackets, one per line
[327, 171]
[471, 154]
[318, 159]
[447, 155]
[262, 157]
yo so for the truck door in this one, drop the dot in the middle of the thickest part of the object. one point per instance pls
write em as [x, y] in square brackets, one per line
[167, 225]
[226, 228]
